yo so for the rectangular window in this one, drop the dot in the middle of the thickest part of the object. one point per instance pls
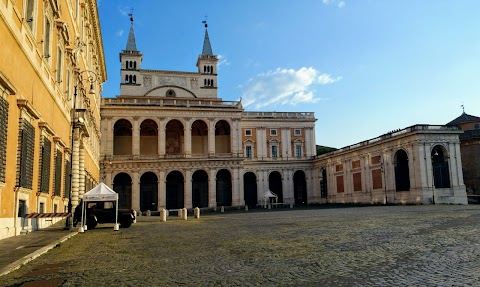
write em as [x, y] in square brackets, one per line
[26, 145]
[22, 208]
[340, 184]
[58, 173]
[3, 137]
[377, 178]
[29, 13]
[41, 208]
[248, 132]
[274, 151]
[46, 152]
[376, 159]
[273, 132]
[357, 181]
[248, 151]
[356, 164]
[298, 150]
[46, 38]
[339, 167]
[297, 132]
[55, 208]
[59, 65]
[67, 177]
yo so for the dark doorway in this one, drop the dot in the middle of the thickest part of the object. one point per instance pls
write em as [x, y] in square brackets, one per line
[175, 190]
[148, 192]
[250, 189]
[323, 185]
[200, 189]
[275, 184]
[300, 188]
[122, 184]
[441, 174]
[224, 188]
[402, 173]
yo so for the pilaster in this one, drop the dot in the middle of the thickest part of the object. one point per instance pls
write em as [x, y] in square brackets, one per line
[136, 191]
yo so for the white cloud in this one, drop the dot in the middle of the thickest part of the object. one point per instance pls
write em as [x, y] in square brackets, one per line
[222, 61]
[340, 4]
[119, 33]
[284, 87]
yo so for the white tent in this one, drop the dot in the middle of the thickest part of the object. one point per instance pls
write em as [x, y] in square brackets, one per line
[101, 192]
[266, 197]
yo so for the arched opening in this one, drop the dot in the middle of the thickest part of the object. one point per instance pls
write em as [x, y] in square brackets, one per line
[275, 184]
[148, 191]
[222, 137]
[200, 189]
[135, 65]
[126, 79]
[149, 137]
[134, 79]
[224, 188]
[174, 138]
[323, 184]
[402, 173]
[441, 174]
[199, 137]
[122, 184]
[130, 79]
[250, 189]
[300, 188]
[122, 138]
[175, 190]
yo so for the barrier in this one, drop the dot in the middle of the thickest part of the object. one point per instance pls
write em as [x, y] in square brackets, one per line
[48, 215]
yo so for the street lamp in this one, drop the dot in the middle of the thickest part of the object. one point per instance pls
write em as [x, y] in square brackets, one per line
[92, 78]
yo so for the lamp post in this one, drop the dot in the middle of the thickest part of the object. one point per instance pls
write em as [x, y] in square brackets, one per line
[92, 78]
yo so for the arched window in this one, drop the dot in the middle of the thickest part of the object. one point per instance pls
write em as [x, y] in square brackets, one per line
[131, 64]
[205, 82]
[126, 64]
[212, 84]
[130, 79]
[204, 69]
[126, 79]
[135, 65]
[134, 79]
[170, 94]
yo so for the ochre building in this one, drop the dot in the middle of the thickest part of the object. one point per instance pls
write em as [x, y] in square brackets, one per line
[51, 53]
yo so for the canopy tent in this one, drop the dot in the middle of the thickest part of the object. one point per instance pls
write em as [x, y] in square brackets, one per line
[101, 192]
[266, 197]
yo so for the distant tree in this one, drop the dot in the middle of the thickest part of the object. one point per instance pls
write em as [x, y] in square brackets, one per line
[324, 149]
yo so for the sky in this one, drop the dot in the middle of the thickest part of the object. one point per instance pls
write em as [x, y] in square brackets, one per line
[364, 67]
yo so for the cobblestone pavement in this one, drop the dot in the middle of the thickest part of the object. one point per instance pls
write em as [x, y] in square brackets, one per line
[363, 246]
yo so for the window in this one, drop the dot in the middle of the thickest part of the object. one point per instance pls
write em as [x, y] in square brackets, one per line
[46, 38]
[298, 150]
[273, 132]
[58, 173]
[22, 208]
[297, 132]
[274, 151]
[126, 79]
[26, 150]
[41, 209]
[59, 65]
[30, 13]
[55, 208]
[67, 178]
[170, 94]
[340, 188]
[248, 151]
[357, 181]
[3, 136]
[248, 132]
[46, 151]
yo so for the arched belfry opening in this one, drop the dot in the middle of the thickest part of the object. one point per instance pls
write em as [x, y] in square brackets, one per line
[122, 138]
[441, 173]
[402, 173]
[175, 190]
[148, 137]
[200, 189]
[222, 137]
[174, 138]
[122, 184]
[224, 188]
[148, 192]
[250, 189]
[300, 188]
[275, 184]
[199, 138]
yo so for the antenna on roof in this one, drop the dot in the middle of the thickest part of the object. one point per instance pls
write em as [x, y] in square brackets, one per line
[463, 107]
[205, 21]
[131, 15]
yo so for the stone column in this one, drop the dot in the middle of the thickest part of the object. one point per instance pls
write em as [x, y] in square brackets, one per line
[458, 163]
[75, 170]
[453, 164]
[136, 191]
[161, 138]
[211, 137]
[109, 135]
[162, 191]
[212, 188]
[235, 188]
[187, 194]
[187, 131]
[241, 188]
[234, 137]
[135, 137]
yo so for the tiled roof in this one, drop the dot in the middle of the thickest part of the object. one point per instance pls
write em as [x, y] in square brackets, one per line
[464, 118]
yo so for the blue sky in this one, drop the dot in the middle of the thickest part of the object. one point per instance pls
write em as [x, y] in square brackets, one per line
[364, 67]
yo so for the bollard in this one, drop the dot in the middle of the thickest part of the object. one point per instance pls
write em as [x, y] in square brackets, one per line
[135, 215]
[180, 211]
[269, 206]
[196, 212]
[184, 213]
[116, 227]
[246, 207]
[291, 205]
[163, 215]
[149, 213]
[222, 209]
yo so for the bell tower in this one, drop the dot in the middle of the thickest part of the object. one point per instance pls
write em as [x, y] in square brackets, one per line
[131, 61]
[207, 66]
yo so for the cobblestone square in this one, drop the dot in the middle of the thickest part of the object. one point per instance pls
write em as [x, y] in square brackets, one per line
[361, 246]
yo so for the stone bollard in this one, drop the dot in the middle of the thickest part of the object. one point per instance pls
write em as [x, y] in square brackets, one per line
[180, 211]
[135, 215]
[222, 209]
[196, 212]
[149, 213]
[269, 206]
[163, 214]
[246, 207]
[291, 205]
[184, 213]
